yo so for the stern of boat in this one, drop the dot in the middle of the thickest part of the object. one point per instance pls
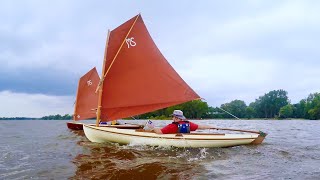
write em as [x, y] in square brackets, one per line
[75, 125]
[259, 139]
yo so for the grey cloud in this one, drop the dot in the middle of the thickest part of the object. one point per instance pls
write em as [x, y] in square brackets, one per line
[41, 81]
[53, 43]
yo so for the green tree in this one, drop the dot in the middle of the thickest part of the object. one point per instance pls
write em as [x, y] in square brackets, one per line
[194, 109]
[235, 107]
[299, 109]
[268, 106]
[286, 111]
[313, 106]
[250, 113]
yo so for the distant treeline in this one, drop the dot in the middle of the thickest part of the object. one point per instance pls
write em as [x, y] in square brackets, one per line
[272, 105]
[17, 118]
[57, 117]
[51, 117]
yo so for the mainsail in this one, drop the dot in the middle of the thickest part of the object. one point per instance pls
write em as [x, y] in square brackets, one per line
[138, 78]
[87, 99]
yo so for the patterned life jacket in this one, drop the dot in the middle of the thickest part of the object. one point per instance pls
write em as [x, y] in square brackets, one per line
[183, 126]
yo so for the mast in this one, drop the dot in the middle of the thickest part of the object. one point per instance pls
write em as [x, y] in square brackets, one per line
[75, 104]
[100, 86]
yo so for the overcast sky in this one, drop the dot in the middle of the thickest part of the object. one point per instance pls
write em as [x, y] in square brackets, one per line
[225, 50]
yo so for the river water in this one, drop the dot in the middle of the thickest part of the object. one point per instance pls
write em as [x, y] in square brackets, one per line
[49, 150]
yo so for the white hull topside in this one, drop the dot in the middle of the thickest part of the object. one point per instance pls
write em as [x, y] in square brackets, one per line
[134, 137]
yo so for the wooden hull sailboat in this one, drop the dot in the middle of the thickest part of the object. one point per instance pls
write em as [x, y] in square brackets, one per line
[75, 125]
[136, 79]
[194, 140]
[79, 126]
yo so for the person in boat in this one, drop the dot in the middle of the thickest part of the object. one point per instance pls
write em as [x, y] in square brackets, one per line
[179, 125]
[114, 122]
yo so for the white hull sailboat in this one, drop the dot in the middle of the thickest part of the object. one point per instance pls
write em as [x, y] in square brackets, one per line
[136, 78]
[141, 137]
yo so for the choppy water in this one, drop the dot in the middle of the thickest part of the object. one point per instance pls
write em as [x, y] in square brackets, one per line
[48, 150]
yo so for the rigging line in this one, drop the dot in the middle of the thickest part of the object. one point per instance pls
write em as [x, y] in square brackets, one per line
[230, 113]
[102, 78]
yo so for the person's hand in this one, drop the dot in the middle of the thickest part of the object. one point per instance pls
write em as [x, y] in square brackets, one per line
[149, 125]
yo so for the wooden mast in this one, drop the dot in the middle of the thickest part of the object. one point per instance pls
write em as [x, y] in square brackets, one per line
[100, 86]
[75, 104]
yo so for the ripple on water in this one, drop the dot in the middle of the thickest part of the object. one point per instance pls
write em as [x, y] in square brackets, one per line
[61, 154]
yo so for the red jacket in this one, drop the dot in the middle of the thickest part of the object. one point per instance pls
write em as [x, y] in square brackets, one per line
[173, 128]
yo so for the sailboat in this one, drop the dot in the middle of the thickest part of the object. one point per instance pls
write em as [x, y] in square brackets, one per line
[137, 78]
[86, 102]
[86, 99]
